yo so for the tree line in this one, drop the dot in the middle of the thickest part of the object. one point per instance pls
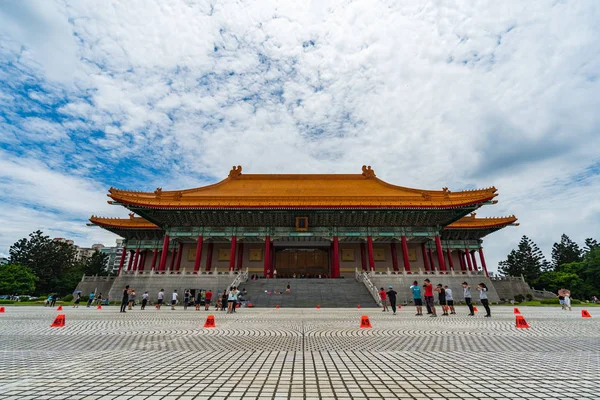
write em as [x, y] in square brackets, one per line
[571, 267]
[40, 266]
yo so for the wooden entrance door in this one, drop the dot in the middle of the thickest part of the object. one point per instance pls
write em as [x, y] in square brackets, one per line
[307, 262]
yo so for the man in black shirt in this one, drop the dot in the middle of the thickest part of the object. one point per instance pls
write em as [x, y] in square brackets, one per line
[391, 295]
[125, 298]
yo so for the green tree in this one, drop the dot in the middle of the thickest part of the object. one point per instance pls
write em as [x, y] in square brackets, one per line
[49, 260]
[564, 252]
[96, 264]
[16, 279]
[526, 260]
[590, 244]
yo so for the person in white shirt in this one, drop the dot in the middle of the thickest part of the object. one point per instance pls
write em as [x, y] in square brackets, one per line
[449, 299]
[174, 299]
[161, 297]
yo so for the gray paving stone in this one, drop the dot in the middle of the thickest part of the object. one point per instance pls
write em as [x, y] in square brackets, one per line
[297, 353]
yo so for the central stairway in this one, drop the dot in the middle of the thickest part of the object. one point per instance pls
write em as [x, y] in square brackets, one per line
[308, 293]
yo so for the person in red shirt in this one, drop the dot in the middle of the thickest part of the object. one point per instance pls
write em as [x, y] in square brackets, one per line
[429, 296]
[383, 296]
[207, 299]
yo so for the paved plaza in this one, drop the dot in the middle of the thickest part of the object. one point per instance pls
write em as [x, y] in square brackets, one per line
[297, 353]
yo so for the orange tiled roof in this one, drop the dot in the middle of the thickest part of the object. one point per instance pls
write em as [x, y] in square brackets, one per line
[302, 191]
[472, 222]
[123, 223]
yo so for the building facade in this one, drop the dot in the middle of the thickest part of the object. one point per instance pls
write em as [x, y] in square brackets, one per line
[321, 225]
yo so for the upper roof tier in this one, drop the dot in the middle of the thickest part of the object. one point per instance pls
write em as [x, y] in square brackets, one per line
[302, 191]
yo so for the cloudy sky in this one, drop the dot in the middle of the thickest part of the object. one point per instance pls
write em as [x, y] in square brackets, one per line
[172, 93]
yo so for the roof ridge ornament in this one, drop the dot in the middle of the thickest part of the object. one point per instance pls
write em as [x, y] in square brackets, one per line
[131, 215]
[235, 172]
[158, 192]
[368, 172]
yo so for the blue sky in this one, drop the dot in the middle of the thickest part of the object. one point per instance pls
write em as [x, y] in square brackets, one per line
[172, 93]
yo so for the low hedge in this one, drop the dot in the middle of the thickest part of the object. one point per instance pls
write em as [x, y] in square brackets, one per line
[556, 301]
[7, 302]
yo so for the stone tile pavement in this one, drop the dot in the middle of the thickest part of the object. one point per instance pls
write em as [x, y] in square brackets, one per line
[297, 354]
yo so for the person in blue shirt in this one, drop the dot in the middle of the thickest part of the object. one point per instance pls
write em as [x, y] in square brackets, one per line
[416, 291]
[90, 299]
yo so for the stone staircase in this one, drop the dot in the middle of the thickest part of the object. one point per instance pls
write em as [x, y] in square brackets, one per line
[308, 293]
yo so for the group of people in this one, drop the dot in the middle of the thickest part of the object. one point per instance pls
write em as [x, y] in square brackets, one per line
[564, 298]
[445, 298]
[228, 299]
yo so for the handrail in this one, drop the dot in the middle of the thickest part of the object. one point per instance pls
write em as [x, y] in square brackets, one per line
[370, 287]
[242, 276]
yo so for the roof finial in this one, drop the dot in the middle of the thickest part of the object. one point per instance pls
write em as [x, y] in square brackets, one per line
[235, 171]
[367, 172]
[158, 192]
[131, 215]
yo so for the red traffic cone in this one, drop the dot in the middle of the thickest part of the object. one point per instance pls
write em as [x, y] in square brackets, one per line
[59, 321]
[210, 322]
[521, 323]
[59, 308]
[585, 314]
[99, 307]
[1, 309]
[365, 322]
[516, 311]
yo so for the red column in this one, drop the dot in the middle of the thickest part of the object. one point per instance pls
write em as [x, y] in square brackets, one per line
[425, 259]
[163, 256]
[440, 253]
[271, 260]
[232, 253]
[405, 254]
[198, 255]
[209, 256]
[370, 251]
[179, 253]
[483, 262]
[122, 262]
[336, 258]
[461, 260]
[394, 256]
[130, 262]
[142, 260]
[154, 255]
[475, 267]
[136, 258]
[450, 262]
[363, 256]
[431, 263]
[267, 266]
[173, 258]
[240, 256]
[468, 257]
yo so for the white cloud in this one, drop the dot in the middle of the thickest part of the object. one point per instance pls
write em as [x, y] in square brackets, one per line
[430, 94]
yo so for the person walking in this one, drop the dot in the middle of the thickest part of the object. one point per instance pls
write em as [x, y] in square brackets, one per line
[449, 300]
[561, 298]
[288, 289]
[54, 298]
[482, 289]
[429, 297]
[174, 299]
[207, 300]
[467, 296]
[383, 297]
[568, 299]
[131, 298]
[224, 298]
[391, 295]
[77, 300]
[416, 292]
[230, 300]
[274, 273]
[99, 299]
[144, 300]
[125, 298]
[161, 298]
[186, 299]
[442, 298]
[90, 299]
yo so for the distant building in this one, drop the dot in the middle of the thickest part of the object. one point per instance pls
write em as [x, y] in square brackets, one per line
[63, 240]
[114, 256]
[87, 252]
